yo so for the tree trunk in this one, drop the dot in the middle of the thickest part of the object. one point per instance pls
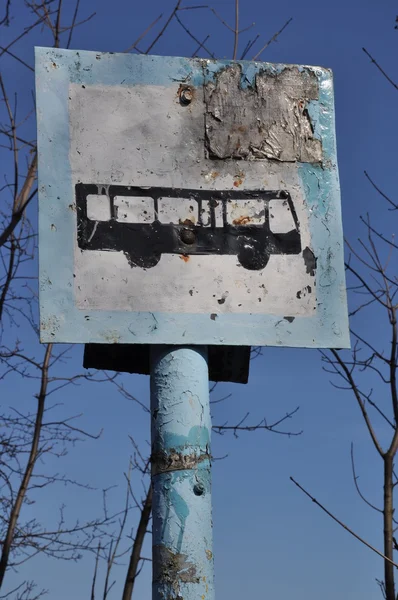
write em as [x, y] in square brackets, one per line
[23, 488]
[137, 547]
[388, 513]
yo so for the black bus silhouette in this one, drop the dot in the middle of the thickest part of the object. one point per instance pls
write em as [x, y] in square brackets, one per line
[144, 243]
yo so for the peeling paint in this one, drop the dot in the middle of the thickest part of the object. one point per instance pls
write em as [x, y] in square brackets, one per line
[172, 569]
[163, 462]
[181, 474]
[267, 120]
[309, 261]
[52, 323]
[289, 319]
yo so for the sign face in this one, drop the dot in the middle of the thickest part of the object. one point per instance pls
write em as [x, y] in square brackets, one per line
[188, 201]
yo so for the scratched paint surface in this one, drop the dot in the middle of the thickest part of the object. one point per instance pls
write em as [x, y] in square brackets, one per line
[250, 269]
[181, 475]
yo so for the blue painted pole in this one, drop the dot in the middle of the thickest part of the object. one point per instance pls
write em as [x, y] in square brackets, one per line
[183, 567]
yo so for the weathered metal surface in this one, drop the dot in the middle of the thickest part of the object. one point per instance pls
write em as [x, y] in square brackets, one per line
[181, 475]
[268, 118]
[233, 136]
[226, 363]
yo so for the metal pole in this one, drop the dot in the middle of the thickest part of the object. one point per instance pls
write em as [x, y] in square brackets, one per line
[181, 474]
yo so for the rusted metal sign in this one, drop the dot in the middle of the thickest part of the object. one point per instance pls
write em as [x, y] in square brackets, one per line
[188, 201]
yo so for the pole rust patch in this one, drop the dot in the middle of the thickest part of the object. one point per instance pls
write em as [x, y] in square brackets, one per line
[163, 462]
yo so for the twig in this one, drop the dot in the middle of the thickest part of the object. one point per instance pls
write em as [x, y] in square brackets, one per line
[273, 39]
[33, 456]
[25, 32]
[342, 524]
[144, 34]
[16, 58]
[355, 477]
[236, 32]
[95, 573]
[215, 13]
[21, 201]
[194, 7]
[185, 28]
[157, 38]
[201, 45]
[57, 25]
[395, 206]
[262, 425]
[73, 23]
[9, 276]
[249, 46]
[135, 557]
[6, 19]
[374, 61]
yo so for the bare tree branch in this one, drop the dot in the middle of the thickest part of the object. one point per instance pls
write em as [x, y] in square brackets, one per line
[273, 39]
[382, 71]
[393, 204]
[342, 524]
[135, 556]
[143, 34]
[171, 17]
[6, 19]
[236, 31]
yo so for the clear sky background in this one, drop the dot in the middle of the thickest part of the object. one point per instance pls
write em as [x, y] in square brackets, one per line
[270, 540]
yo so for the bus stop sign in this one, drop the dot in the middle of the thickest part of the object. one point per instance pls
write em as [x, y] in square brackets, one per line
[188, 201]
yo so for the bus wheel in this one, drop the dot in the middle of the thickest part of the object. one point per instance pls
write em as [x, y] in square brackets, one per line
[252, 257]
[145, 261]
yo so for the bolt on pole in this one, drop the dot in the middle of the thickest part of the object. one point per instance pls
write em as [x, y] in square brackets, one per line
[183, 566]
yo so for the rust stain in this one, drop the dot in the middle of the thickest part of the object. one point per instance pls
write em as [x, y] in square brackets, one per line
[239, 179]
[187, 221]
[51, 324]
[209, 554]
[184, 257]
[210, 176]
[173, 569]
[243, 220]
[187, 91]
[112, 337]
[163, 462]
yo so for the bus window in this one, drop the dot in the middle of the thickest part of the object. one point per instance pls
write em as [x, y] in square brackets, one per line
[280, 217]
[134, 209]
[98, 207]
[212, 209]
[178, 211]
[245, 212]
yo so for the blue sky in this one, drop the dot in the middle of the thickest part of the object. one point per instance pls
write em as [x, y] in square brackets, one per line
[269, 539]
